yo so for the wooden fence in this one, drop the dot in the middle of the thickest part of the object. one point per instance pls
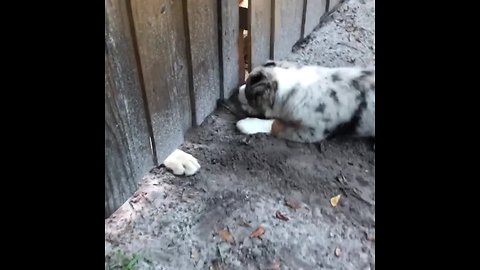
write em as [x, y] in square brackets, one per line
[167, 62]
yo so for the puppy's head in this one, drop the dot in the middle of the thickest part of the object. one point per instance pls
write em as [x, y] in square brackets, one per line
[258, 94]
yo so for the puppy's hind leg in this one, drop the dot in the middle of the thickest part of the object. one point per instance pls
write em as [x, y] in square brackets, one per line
[296, 132]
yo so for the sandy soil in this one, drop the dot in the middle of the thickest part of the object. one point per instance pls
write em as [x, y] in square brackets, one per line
[205, 221]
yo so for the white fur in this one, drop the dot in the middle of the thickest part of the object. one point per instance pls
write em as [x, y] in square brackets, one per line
[181, 163]
[255, 125]
[306, 77]
[288, 78]
[243, 101]
[241, 95]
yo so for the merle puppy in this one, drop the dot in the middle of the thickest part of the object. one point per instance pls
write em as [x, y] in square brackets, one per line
[308, 103]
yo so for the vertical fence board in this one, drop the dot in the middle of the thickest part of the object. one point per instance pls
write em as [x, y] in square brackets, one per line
[288, 24]
[260, 17]
[160, 32]
[128, 155]
[314, 11]
[230, 46]
[203, 39]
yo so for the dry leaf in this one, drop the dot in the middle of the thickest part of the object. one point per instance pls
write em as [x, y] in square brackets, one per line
[292, 203]
[225, 235]
[341, 179]
[258, 232]
[338, 252]
[281, 216]
[334, 200]
[217, 265]
[219, 249]
[137, 196]
[276, 265]
[188, 197]
[243, 223]
[370, 237]
[194, 253]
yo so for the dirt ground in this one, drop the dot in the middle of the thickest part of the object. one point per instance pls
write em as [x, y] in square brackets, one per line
[205, 221]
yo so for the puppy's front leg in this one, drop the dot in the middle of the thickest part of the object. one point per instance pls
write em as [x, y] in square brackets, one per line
[288, 131]
[255, 125]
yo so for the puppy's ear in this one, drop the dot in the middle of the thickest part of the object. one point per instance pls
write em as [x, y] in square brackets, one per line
[270, 63]
[255, 85]
[259, 87]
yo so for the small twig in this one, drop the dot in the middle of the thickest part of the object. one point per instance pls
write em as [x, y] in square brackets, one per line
[220, 253]
[365, 29]
[225, 106]
[356, 195]
[350, 46]
[353, 191]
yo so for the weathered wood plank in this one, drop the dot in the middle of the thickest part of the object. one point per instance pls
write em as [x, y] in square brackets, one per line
[229, 41]
[128, 154]
[288, 26]
[203, 38]
[160, 31]
[260, 31]
[314, 11]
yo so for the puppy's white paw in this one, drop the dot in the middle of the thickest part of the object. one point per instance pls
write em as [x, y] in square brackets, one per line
[255, 125]
[181, 163]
